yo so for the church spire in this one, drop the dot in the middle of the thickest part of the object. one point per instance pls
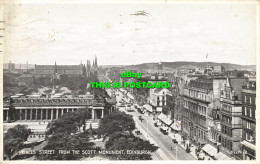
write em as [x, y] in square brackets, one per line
[96, 62]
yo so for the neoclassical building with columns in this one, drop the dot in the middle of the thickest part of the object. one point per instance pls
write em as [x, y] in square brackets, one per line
[33, 109]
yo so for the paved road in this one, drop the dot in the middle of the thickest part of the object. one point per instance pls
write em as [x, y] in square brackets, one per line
[163, 141]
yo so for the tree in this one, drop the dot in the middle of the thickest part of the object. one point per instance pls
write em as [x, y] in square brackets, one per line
[70, 122]
[14, 138]
[12, 145]
[18, 131]
[126, 141]
[115, 122]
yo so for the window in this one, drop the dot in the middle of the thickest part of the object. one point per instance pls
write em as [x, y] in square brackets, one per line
[248, 125]
[247, 136]
[228, 95]
[250, 112]
[250, 100]
[245, 111]
[245, 99]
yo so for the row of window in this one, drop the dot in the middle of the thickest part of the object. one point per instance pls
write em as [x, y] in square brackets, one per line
[226, 130]
[249, 137]
[249, 99]
[197, 94]
[214, 136]
[226, 119]
[226, 143]
[226, 107]
[248, 111]
[201, 134]
[202, 110]
[248, 125]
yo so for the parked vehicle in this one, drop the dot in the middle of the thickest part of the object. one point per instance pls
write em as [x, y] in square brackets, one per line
[155, 124]
[163, 131]
[188, 149]
[174, 141]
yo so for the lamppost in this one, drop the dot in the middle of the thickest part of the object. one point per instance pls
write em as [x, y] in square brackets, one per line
[176, 150]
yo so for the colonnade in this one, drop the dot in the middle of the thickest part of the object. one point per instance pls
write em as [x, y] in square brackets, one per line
[49, 113]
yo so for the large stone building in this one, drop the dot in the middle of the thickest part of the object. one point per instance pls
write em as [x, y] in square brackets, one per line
[41, 108]
[142, 94]
[158, 99]
[230, 117]
[70, 70]
[249, 120]
[198, 96]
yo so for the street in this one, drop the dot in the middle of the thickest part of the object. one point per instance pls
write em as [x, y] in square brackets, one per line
[164, 142]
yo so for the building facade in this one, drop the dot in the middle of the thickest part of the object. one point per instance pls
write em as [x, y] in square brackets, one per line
[197, 99]
[249, 120]
[230, 117]
[158, 99]
[41, 108]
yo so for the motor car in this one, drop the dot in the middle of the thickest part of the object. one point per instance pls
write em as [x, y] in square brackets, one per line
[155, 124]
[163, 131]
[140, 118]
[174, 140]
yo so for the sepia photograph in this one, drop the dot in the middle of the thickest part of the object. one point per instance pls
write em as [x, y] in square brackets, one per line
[129, 80]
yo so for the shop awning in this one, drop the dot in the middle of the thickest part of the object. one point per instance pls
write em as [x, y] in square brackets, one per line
[248, 144]
[165, 119]
[148, 107]
[206, 148]
[209, 149]
[165, 128]
[213, 151]
[176, 125]
[161, 116]
[130, 96]
[221, 156]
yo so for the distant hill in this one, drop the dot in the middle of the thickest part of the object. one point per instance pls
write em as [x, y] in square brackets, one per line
[176, 65]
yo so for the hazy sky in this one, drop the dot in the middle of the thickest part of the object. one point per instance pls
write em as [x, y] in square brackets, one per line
[42, 34]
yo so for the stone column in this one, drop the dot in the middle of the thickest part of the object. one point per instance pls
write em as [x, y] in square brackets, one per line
[20, 113]
[31, 110]
[93, 114]
[7, 115]
[41, 113]
[25, 114]
[47, 112]
[36, 113]
[57, 113]
[102, 115]
[51, 114]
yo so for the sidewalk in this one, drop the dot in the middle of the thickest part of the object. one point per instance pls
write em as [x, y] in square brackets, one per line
[178, 138]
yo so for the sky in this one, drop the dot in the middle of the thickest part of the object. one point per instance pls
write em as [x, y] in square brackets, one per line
[69, 34]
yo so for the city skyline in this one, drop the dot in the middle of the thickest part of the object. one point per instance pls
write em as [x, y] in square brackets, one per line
[227, 33]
